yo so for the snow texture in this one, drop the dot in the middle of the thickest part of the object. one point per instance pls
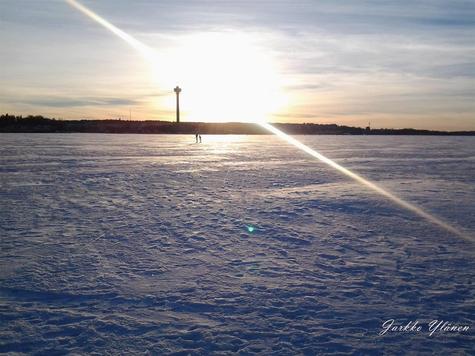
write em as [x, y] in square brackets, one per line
[120, 244]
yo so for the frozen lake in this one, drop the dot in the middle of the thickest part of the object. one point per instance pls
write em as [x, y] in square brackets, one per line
[135, 243]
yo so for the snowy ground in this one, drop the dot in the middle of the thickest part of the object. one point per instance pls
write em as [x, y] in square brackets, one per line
[134, 243]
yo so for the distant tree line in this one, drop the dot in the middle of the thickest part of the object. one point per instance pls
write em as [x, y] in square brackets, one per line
[40, 124]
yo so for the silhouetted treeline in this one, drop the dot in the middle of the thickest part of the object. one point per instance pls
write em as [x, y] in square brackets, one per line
[11, 123]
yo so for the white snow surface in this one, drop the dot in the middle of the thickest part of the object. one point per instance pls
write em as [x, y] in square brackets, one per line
[125, 244]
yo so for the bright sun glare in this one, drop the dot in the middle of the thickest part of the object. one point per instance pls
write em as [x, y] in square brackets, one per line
[224, 77]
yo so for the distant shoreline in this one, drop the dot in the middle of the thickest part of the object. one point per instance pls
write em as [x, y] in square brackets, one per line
[40, 124]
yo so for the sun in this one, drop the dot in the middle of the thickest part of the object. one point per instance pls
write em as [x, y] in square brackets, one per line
[224, 76]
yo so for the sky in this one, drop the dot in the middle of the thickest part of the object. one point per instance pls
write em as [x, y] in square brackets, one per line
[394, 64]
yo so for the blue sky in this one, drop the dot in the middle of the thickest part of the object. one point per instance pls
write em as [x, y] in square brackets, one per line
[394, 63]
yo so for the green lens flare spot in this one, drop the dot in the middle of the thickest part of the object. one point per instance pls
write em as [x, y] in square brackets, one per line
[250, 228]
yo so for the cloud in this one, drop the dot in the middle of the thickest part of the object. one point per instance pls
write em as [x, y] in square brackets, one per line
[66, 102]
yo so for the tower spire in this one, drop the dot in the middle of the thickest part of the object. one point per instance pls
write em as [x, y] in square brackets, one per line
[177, 90]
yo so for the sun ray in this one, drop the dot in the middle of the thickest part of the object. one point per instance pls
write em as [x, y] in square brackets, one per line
[402, 203]
[145, 50]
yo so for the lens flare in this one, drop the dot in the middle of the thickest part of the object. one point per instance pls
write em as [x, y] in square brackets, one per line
[145, 50]
[402, 203]
[150, 54]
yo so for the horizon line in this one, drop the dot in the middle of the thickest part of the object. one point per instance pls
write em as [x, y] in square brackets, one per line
[171, 121]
